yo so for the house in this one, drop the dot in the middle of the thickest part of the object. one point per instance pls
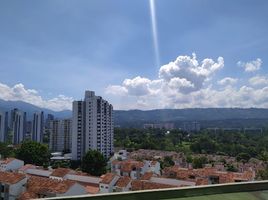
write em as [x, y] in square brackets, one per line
[135, 169]
[107, 182]
[46, 187]
[123, 184]
[11, 184]
[151, 166]
[10, 164]
[208, 175]
[60, 173]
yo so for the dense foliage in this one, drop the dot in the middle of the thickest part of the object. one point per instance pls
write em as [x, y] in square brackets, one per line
[94, 163]
[33, 153]
[6, 150]
[240, 145]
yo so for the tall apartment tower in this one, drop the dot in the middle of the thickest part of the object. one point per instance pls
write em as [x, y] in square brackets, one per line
[3, 126]
[60, 135]
[18, 125]
[92, 126]
[38, 126]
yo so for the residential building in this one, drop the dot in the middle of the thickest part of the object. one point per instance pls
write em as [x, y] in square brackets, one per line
[11, 185]
[92, 126]
[38, 127]
[135, 169]
[3, 126]
[38, 187]
[18, 125]
[207, 175]
[60, 133]
[29, 127]
[10, 164]
[107, 182]
[123, 184]
[49, 118]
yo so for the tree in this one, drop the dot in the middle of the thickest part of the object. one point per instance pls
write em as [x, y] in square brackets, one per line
[33, 153]
[167, 162]
[5, 150]
[244, 157]
[94, 163]
[198, 162]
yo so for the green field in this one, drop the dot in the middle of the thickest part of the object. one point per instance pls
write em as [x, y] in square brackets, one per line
[258, 195]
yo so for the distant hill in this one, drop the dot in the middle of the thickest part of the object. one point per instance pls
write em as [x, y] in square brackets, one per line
[220, 117]
[30, 109]
[208, 117]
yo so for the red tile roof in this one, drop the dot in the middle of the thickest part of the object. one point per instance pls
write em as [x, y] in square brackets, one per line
[28, 195]
[107, 178]
[123, 181]
[145, 185]
[60, 172]
[92, 189]
[147, 176]
[11, 177]
[46, 185]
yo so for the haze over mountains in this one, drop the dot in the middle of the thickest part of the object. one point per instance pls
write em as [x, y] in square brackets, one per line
[208, 117]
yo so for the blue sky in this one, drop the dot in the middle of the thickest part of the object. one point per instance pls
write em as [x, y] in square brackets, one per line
[51, 51]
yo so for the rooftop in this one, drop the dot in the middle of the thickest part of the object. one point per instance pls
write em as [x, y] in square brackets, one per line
[11, 178]
[233, 191]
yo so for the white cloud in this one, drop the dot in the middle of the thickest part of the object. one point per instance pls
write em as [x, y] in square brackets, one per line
[19, 93]
[227, 81]
[251, 66]
[258, 81]
[187, 83]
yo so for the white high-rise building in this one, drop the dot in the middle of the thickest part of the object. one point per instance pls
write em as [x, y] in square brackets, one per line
[38, 126]
[18, 124]
[60, 135]
[92, 126]
[3, 126]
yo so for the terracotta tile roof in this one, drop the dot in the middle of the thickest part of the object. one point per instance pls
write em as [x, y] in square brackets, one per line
[129, 165]
[28, 195]
[145, 185]
[205, 173]
[46, 185]
[147, 176]
[123, 181]
[92, 189]
[60, 172]
[107, 178]
[11, 177]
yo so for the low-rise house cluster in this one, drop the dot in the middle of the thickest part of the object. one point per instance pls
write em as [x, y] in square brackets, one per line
[207, 175]
[28, 181]
[134, 169]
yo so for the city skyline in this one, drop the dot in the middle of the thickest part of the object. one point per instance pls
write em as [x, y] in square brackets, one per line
[51, 52]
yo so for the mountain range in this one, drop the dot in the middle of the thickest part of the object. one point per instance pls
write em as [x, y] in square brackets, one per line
[30, 109]
[220, 117]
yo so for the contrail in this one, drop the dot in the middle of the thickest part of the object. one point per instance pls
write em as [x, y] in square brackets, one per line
[154, 31]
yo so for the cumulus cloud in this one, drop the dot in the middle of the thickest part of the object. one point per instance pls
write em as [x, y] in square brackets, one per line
[19, 93]
[227, 81]
[251, 66]
[183, 75]
[187, 83]
[258, 81]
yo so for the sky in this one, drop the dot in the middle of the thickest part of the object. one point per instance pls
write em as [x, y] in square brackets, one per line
[142, 54]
